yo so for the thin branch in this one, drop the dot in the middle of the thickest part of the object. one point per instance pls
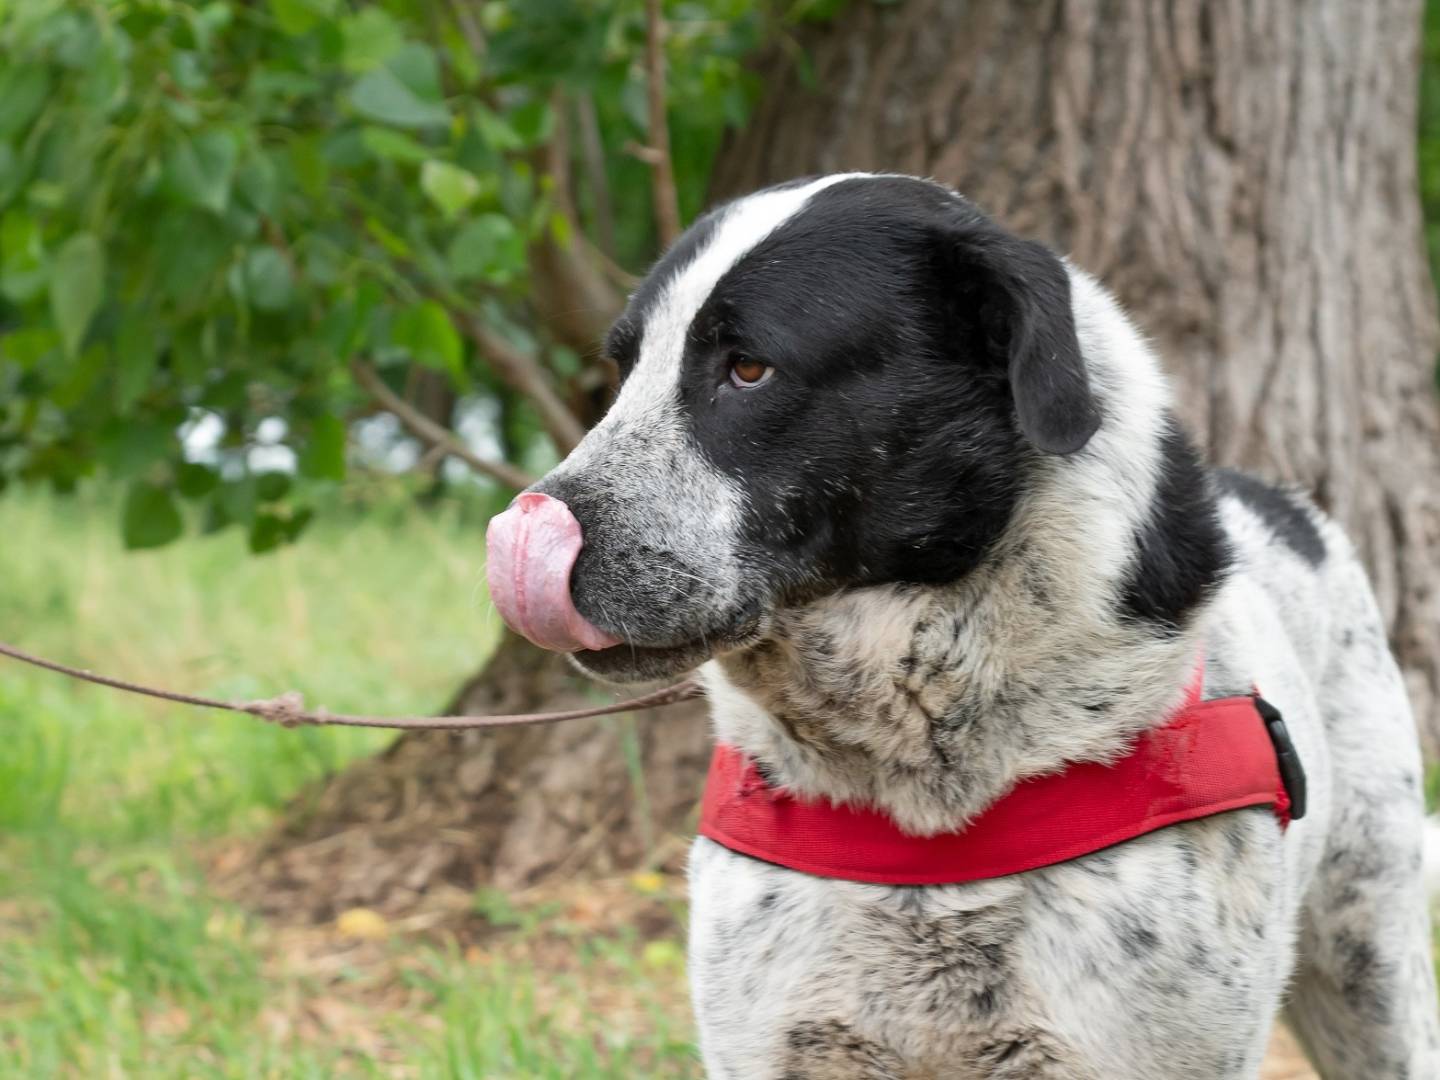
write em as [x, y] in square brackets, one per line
[574, 293]
[593, 152]
[428, 431]
[558, 167]
[523, 373]
[431, 459]
[667, 205]
[474, 37]
[618, 275]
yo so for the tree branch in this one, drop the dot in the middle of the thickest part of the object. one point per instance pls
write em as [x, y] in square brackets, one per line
[667, 205]
[523, 373]
[428, 431]
[592, 150]
[575, 292]
[583, 251]
[465, 19]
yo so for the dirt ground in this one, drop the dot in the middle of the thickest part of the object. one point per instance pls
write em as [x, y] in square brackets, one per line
[1285, 1061]
[539, 932]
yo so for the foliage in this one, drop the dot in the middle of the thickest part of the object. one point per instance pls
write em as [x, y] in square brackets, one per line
[214, 208]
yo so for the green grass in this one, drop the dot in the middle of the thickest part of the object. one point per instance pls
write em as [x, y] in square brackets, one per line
[361, 616]
[115, 959]
[497, 1026]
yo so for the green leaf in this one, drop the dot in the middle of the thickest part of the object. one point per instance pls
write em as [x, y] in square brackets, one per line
[215, 518]
[311, 168]
[80, 377]
[495, 132]
[136, 354]
[150, 517]
[76, 40]
[23, 285]
[297, 17]
[489, 248]
[258, 183]
[269, 285]
[29, 346]
[426, 331]
[532, 122]
[198, 171]
[449, 187]
[415, 65]
[344, 328]
[403, 93]
[77, 285]
[268, 531]
[390, 240]
[234, 500]
[129, 449]
[323, 457]
[272, 486]
[195, 481]
[12, 174]
[24, 88]
[368, 39]
[187, 251]
[393, 146]
[23, 273]
[381, 96]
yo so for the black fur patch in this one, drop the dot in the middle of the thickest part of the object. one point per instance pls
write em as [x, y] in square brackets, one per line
[1280, 512]
[1181, 553]
[922, 354]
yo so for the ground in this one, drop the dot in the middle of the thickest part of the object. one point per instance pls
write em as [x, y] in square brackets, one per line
[126, 949]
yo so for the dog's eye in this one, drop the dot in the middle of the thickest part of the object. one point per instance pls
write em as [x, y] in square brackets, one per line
[746, 372]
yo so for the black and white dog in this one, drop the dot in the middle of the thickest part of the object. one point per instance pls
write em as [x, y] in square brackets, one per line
[910, 489]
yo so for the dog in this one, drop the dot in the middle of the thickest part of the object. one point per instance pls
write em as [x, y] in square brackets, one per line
[910, 492]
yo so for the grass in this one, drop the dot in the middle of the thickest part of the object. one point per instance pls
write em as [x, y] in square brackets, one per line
[115, 958]
[360, 616]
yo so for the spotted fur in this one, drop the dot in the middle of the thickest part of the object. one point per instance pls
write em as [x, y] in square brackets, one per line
[959, 540]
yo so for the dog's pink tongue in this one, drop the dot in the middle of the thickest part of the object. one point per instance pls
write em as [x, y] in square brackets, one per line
[532, 549]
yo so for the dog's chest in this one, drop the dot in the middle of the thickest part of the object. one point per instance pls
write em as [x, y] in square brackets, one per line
[1103, 967]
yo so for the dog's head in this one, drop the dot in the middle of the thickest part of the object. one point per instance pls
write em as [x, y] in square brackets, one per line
[828, 384]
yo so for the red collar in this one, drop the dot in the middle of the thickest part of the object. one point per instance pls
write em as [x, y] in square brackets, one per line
[1212, 756]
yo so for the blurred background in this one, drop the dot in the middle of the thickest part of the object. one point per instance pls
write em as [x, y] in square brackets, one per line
[295, 294]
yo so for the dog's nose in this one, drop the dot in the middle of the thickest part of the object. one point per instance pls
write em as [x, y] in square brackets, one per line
[532, 549]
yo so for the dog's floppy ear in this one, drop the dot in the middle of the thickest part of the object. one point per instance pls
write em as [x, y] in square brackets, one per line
[1028, 322]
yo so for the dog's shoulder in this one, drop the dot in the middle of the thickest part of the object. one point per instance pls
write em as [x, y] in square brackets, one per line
[1295, 570]
[1276, 514]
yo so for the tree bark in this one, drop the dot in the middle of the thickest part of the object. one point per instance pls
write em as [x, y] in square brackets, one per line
[1242, 173]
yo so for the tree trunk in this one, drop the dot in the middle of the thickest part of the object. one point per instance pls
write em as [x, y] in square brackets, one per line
[1241, 173]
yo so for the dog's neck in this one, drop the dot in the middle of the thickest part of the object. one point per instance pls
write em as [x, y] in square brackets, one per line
[930, 703]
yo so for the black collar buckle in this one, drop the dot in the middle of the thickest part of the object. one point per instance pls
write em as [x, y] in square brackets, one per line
[1292, 772]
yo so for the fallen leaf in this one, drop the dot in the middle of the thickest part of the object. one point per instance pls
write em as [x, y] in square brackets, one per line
[362, 923]
[647, 882]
